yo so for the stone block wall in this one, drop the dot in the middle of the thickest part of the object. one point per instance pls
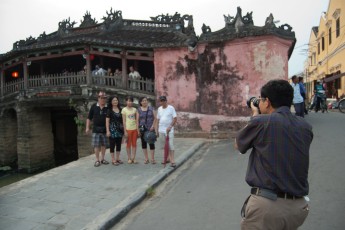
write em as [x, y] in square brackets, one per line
[8, 138]
[35, 141]
[84, 144]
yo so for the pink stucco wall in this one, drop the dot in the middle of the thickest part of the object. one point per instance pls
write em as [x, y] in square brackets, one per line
[217, 79]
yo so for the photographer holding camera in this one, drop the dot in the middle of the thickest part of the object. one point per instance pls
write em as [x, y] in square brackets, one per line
[279, 161]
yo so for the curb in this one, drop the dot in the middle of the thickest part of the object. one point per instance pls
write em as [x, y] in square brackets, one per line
[114, 215]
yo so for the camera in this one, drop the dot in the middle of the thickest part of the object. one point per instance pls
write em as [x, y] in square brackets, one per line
[254, 100]
[142, 129]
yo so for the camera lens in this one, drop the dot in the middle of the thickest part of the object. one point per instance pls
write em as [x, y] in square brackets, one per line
[254, 100]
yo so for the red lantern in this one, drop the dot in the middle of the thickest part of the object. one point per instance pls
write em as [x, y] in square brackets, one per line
[92, 57]
[15, 74]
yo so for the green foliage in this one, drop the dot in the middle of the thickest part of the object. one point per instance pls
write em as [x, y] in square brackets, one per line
[150, 192]
[80, 119]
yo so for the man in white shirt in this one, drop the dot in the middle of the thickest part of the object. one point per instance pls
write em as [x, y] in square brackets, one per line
[297, 97]
[134, 75]
[167, 118]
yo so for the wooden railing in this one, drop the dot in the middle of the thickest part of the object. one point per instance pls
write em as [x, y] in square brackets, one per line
[56, 80]
[13, 86]
[77, 79]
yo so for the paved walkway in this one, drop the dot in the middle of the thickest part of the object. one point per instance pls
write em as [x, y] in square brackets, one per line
[81, 196]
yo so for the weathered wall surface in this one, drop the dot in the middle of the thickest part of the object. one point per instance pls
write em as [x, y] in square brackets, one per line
[8, 138]
[217, 79]
[35, 140]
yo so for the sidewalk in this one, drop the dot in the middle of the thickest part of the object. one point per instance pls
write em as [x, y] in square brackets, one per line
[81, 196]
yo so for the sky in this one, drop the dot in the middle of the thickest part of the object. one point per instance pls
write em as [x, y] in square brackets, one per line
[20, 19]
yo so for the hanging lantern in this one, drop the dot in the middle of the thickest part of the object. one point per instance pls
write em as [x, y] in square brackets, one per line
[92, 57]
[15, 74]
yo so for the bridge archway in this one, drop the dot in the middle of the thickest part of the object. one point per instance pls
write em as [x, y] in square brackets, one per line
[8, 138]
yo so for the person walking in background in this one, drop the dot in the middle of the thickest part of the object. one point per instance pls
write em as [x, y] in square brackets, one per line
[147, 122]
[279, 161]
[166, 119]
[97, 116]
[320, 94]
[114, 124]
[303, 93]
[297, 97]
[131, 130]
[133, 75]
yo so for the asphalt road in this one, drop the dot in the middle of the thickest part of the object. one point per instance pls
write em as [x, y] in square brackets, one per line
[207, 192]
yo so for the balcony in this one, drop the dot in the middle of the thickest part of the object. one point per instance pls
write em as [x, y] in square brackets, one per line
[74, 80]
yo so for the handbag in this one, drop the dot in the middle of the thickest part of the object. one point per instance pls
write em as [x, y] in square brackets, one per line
[150, 137]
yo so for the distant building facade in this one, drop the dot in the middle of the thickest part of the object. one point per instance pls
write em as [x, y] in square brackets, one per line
[326, 51]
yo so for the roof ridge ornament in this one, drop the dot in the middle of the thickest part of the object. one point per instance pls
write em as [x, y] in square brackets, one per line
[270, 21]
[167, 18]
[65, 26]
[88, 20]
[239, 20]
[113, 17]
[205, 29]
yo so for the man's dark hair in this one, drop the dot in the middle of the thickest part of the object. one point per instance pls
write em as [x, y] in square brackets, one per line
[279, 92]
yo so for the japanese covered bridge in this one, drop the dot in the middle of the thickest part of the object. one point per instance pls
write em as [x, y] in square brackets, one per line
[49, 82]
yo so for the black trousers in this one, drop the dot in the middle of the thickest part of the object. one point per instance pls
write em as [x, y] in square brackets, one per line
[115, 142]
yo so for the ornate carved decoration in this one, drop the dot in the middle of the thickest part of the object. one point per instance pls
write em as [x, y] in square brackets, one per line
[21, 43]
[205, 29]
[112, 17]
[238, 19]
[229, 19]
[177, 19]
[270, 21]
[88, 20]
[248, 18]
[167, 18]
[286, 27]
[42, 36]
[65, 25]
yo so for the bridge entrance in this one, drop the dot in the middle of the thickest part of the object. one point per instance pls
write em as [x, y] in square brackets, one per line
[65, 136]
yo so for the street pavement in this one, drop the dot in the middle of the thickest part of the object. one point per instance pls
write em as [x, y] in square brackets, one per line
[208, 191]
[80, 196]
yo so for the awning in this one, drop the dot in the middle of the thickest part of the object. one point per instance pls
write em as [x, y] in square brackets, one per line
[328, 79]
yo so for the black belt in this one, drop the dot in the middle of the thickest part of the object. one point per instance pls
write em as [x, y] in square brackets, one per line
[272, 195]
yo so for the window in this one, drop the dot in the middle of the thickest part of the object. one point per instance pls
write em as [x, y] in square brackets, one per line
[337, 31]
[330, 35]
[318, 48]
[323, 43]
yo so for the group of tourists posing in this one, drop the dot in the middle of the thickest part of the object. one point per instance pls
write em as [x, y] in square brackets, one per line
[113, 125]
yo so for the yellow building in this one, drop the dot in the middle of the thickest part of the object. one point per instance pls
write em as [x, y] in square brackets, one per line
[326, 52]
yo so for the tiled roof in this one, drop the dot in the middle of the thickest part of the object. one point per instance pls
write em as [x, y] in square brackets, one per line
[161, 31]
[243, 26]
